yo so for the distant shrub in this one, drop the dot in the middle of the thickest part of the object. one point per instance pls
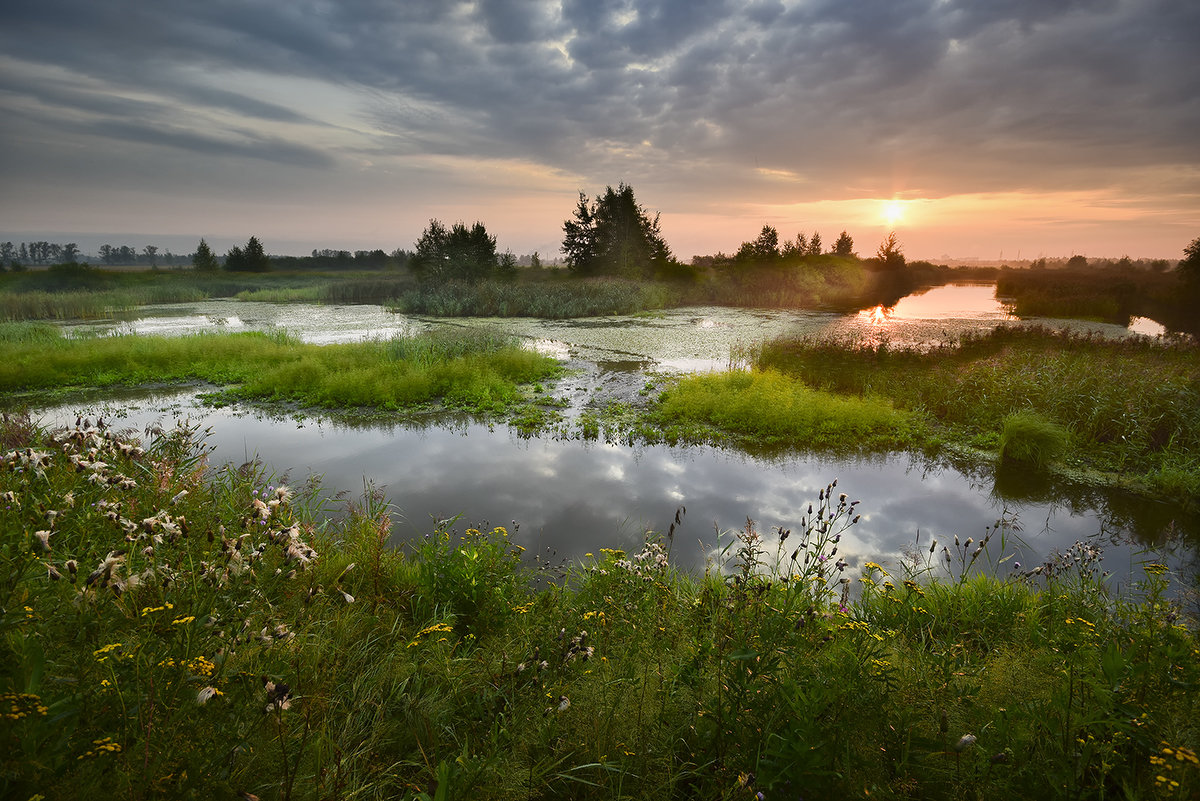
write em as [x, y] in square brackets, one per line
[1029, 438]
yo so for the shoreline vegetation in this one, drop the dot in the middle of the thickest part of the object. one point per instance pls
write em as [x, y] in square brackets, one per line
[1117, 413]
[1122, 413]
[473, 371]
[66, 292]
[170, 630]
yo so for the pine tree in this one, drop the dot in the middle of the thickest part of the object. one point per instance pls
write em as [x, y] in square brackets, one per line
[203, 259]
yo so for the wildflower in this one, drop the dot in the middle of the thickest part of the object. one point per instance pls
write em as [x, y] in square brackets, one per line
[179, 496]
[965, 742]
[102, 746]
[104, 570]
[43, 539]
[564, 703]
[206, 694]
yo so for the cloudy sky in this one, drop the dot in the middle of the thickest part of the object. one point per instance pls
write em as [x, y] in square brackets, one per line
[1002, 127]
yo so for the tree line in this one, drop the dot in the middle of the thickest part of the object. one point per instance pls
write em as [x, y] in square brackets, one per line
[608, 234]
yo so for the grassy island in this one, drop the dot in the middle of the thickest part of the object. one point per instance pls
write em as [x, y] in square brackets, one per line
[470, 370]
[178, 632]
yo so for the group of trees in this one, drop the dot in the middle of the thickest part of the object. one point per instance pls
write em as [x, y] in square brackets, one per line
[249, 259]
[765, 249]
[613, 235]
[37, 253]
[459, 253]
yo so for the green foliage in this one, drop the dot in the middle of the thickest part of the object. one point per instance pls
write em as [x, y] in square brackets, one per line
[1030, 439]
[763, 249]
[203, 259]
[1131, 405]
[1189, 265]
[166, 631]
[549, 299]
[250, 259]
[465, 371]
[770, 407]
[455, 253]
[614, 235]
[474, 579]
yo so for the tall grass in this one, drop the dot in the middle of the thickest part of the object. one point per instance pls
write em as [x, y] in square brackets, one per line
[1132, 406]
[466, 371]
[770, 408]
[174, 631]
[1030, 439]
[549, 299]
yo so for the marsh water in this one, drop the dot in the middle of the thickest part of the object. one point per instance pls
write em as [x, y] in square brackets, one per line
[566, 496]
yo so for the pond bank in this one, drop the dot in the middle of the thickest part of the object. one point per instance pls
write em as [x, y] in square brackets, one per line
[237, 638]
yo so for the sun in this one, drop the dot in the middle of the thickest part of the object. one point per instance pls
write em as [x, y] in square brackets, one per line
[893, 211]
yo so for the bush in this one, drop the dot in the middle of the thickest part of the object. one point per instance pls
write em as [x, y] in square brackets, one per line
[1031, 439]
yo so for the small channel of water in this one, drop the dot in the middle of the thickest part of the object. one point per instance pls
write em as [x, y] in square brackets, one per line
[573, 497]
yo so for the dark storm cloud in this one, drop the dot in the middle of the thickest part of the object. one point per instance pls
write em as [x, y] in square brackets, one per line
[951, 96]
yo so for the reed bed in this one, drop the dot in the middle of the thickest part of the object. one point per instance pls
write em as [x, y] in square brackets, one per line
[1129, 407]
[547, 299]
[173, 630]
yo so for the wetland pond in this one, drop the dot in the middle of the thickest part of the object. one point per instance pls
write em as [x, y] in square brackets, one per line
[567, 496]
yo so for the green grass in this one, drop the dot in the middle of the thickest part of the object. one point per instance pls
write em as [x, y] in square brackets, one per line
[65, 292]
[1027, 438]
[1132, 406]
[470, 371]
[767, 407]
[171, 631]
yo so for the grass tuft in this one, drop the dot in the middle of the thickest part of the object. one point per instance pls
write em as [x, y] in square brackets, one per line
[1030, 439]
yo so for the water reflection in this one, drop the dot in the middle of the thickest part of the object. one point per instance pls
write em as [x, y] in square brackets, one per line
[570, 497]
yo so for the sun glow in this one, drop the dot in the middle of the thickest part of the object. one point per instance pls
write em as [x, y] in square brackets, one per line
[893, 211]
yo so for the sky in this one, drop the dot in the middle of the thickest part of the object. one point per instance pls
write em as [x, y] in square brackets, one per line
[1000, 129]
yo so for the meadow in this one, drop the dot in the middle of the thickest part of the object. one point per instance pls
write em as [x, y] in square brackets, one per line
[173, 630]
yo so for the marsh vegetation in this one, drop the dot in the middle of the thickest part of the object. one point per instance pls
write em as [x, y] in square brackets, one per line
[174, 631]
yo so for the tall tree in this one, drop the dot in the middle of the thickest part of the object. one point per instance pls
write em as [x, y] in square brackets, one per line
[203, 259]
[1189, 265]
[889, 256]
[844, 246]
[614, 235]
[70, 253]
[151, 254]
[814, 244]
[579, 238]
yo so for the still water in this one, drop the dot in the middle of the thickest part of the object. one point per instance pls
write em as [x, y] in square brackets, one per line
[573, 497]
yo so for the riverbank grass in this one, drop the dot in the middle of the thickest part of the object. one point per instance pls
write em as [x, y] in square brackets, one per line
[1124, 411]
[468, 370]
[174, 631]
